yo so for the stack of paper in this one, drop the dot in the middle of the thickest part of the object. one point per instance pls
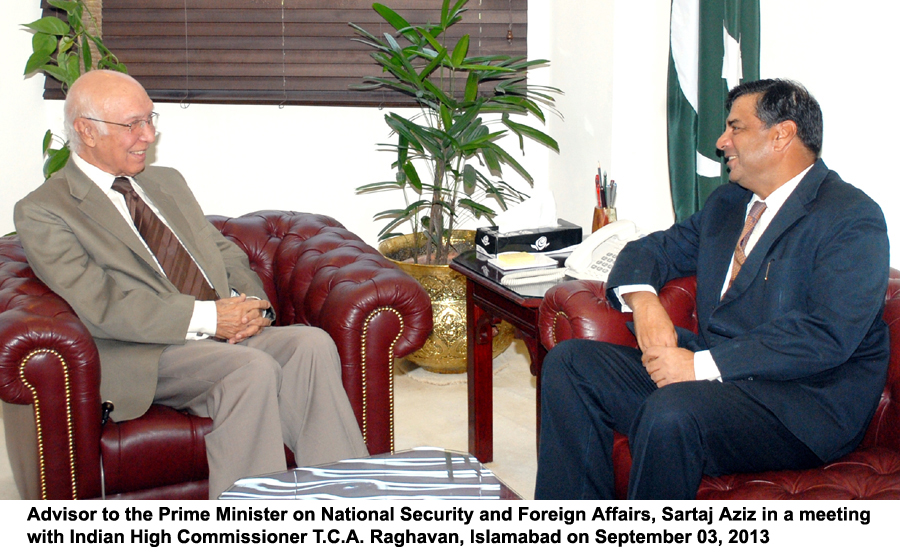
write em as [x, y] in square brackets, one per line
[525, 269]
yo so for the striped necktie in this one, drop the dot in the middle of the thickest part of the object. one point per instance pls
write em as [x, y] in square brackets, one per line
[740, 257]
[177, 264]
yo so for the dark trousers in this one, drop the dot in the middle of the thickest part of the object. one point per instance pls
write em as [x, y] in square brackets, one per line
[676, 433]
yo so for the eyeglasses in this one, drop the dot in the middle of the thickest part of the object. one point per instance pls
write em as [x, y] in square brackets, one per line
[136, 126]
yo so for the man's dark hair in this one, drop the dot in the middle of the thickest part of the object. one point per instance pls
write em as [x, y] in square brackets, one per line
[782, 100]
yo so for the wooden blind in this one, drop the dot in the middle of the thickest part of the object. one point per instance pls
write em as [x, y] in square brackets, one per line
[278, 51]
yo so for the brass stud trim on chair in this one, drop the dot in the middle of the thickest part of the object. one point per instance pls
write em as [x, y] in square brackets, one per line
[37, 420]
[556, 317]
[369, 319]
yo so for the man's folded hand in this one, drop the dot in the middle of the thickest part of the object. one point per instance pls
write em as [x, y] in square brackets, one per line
[239, 318]
[652, 325]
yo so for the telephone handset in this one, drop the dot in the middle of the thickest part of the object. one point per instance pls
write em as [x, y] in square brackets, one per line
[594, 257]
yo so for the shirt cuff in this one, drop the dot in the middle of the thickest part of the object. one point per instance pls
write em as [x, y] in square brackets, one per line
[705, 367]
[203, 321]
[625, 289]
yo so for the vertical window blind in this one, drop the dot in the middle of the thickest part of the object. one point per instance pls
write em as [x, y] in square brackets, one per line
[278, 51]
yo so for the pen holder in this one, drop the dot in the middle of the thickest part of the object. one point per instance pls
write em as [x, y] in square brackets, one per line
[602, 216]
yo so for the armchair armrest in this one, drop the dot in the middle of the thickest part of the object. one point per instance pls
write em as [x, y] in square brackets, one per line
[579, 309]
[50, 384]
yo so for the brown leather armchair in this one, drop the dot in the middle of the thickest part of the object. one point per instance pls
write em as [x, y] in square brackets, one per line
[579, 309]
[314, 271]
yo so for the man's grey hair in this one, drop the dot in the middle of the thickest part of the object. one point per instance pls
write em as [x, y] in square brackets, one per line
[80, 105]
[77, 106]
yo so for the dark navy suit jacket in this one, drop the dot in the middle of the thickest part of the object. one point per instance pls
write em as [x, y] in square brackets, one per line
[800, 330]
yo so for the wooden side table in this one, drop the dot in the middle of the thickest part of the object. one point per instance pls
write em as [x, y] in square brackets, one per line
[486, 300]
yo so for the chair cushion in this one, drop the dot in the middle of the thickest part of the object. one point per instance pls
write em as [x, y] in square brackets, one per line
[867, 473]
[163, 447]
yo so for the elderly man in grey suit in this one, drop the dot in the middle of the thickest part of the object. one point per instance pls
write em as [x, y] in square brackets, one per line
[180, 320]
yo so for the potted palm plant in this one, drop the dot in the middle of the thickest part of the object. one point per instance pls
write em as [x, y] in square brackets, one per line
[449, 159]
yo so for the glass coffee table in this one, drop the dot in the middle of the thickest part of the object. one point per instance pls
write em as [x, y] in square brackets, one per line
[422, 473]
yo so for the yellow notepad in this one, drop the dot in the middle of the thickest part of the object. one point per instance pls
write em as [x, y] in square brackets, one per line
[522, 260]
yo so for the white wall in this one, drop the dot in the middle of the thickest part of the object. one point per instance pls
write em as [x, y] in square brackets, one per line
[22, 117]
[639, 137]
[846, 55]
[579, 46]
[610, 58]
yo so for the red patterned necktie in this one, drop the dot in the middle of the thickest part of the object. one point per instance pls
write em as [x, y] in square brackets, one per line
[177, 264]
[739, 256]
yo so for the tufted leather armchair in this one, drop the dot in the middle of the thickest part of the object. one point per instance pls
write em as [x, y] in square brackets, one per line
[579, 309]
[314, 271]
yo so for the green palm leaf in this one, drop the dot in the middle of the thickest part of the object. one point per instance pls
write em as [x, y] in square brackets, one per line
[465, 103]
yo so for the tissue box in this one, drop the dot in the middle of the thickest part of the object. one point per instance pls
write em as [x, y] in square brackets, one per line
[489, 242]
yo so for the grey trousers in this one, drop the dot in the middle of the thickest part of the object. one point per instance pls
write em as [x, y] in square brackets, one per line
[280, 387]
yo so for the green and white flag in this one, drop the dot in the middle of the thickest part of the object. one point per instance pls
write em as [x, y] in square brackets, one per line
[714, 45]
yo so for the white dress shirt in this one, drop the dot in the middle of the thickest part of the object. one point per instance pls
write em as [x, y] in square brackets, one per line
[205, 317]
[704, 366]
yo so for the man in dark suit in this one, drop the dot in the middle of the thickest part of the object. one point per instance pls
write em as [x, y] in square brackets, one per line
[203, 345]
[791, 356]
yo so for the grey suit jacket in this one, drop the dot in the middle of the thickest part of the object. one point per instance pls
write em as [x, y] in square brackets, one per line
[78, 244]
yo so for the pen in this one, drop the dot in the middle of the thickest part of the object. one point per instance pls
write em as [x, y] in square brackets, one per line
[604, 187]
[611, 196]
[598, 179]
[603, 199]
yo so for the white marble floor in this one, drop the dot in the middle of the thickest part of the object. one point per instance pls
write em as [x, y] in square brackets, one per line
[430, 410]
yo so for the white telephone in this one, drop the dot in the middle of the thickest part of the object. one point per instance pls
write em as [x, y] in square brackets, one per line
[594, 257]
